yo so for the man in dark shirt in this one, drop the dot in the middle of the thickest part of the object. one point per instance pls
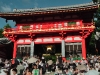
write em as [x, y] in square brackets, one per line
[60, 59]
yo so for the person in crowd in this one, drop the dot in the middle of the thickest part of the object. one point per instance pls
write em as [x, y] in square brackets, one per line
[40, 67]
[13, 66]
[35, 70]
[67, 72]
[71, 58]
[43, 60]
[3, 72]
[14, 72]
[27, 71]
[20, 68]
[25, 64]
[60, 59]
[50, 62]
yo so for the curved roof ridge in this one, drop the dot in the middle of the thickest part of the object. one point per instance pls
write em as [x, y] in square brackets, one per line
[58, 7]
[4, 38]
[5, 41]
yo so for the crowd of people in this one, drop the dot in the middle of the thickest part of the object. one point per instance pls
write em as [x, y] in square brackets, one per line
[89, 66]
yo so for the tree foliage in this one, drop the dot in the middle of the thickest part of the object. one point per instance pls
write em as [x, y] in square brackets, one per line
[1, 30]
[92, 40]
[92, 43]
[97, 20]
[7, 26]
[96, 1]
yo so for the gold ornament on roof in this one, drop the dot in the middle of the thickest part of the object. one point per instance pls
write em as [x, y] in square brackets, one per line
[93, 26]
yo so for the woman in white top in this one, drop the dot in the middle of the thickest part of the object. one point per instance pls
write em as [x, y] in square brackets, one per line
[3, 72]
[14, 71]
[11, 71]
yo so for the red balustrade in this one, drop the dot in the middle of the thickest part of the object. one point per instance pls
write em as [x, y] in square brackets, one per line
[50, 27]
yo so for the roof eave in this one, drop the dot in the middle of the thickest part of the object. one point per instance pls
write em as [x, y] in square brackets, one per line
[51, 10]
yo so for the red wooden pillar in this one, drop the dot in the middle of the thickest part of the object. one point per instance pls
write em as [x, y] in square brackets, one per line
[83, 48]
[14, 52]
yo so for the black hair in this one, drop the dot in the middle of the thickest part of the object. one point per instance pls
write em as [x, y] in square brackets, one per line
[21, 62]
[15, 70]
[29, 69]
[66, 68]
[34, 65]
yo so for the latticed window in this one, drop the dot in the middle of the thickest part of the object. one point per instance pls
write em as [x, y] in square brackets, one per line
[23, 50]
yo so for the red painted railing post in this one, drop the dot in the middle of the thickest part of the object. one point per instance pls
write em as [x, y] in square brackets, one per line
[14, 52]
[83, 48]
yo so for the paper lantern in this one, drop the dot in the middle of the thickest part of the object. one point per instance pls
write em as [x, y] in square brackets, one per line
[65, 24]
[77, 23]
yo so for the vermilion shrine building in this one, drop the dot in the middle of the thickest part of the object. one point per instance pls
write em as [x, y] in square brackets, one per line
[68, 26]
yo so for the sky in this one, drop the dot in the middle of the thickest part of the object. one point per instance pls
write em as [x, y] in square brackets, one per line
[9, 5]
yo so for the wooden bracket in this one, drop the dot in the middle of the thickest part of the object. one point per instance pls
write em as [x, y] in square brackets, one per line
[62, 34]
[32, 36]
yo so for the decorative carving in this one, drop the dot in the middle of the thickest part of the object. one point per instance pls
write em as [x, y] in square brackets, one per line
[26, 27]
[62, 34]
[49, 49]
[71, 23]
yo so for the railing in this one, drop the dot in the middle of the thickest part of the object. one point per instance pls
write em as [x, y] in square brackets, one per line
[85, 26]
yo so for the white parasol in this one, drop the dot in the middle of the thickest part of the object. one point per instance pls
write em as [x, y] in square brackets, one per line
[81, 67]
[92, 72]
[50, 62]
[32, 60]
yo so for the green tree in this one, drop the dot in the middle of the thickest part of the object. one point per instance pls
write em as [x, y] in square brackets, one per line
[7, 26]
[92, 43]
[92, 40]
[97, 20]
[96, 1]
[1, 31]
